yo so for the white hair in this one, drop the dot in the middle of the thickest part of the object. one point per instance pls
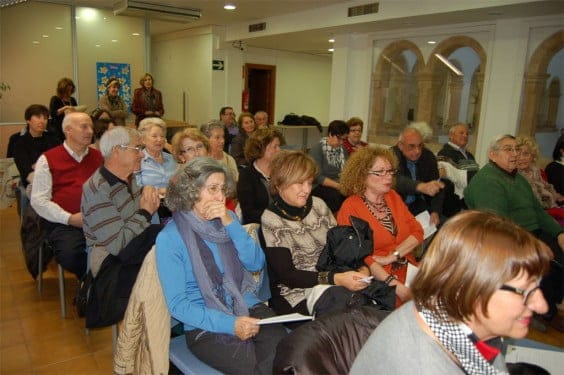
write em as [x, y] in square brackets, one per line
[148, 122]
[120, 135]
[69, 119]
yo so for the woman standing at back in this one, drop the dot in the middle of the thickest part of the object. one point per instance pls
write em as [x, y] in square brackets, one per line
[147, 100]
[60, 104]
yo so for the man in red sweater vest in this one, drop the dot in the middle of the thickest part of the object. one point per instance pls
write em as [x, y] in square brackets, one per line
[57, 189]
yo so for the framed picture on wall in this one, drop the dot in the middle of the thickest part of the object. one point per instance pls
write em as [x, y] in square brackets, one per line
[106, 70]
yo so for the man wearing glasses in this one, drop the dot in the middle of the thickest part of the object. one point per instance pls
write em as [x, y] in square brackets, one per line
[57, 187]
[418, 180]
[499, 188]
[117, 224]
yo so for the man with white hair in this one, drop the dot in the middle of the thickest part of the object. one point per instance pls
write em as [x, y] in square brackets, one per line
[261, 119]
[57, 187]
[117, 224]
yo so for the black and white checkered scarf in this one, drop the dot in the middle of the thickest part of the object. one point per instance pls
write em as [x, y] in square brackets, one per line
[455, 337]
[335, 156]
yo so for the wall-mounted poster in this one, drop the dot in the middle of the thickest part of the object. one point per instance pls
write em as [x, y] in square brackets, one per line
[105, 71]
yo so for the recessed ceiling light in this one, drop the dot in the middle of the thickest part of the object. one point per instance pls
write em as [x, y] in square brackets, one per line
[431, 42]
[229, 7]
[97, 45]
[332, 40]
[35, 42]
[45, 36]
[331, 49]
[135, 34]
[114, 40]
[58, 28]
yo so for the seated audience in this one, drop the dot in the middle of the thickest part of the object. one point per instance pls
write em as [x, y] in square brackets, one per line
[35, 141]
[368, 179]
[353, 141]
[497, 187]
[455, 162]
[117, 223]
[57, 187]
[246, 128]
[147, 100]
[60, 104]
[478, 282]
[545, 192]
[253, 187]
[295, 227]
[157, 166]
[113, 103]
[188, 144]
[205, 260]
[418, 163]
[555, 169]
[227, 118]
[215, 131]
[330, 157]
[261, 119]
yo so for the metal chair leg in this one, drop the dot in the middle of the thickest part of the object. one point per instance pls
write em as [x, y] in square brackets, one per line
[62, 291]
[40, 268]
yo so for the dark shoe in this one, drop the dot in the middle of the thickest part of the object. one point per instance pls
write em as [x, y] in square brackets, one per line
[539, 324]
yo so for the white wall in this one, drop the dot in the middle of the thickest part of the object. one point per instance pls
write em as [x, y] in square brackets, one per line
[182, 63]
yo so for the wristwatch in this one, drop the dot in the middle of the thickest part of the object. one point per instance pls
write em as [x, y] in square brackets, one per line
[397, 254]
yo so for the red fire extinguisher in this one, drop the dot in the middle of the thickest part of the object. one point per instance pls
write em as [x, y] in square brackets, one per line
[245, 100]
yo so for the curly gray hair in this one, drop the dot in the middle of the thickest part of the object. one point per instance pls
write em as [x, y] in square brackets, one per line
[186, 185]
[211, 125]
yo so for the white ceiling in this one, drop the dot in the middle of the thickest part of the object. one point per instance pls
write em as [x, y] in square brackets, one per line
[315, 41]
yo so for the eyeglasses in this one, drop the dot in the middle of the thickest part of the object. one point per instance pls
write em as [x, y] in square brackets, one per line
[510, 149]
[522, 292]
[190, 150]
[137, 148]
[215, 188]
[384, 172]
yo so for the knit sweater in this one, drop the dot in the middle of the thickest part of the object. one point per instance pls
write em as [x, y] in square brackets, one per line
[511, 196]
[304, 239]
[384, 242]
[68, 175]
[110, 210]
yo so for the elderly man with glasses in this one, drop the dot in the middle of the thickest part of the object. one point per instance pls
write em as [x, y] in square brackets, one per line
[117, 224]
[497, 187]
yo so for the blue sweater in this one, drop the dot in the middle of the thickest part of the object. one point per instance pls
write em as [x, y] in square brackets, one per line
[182, 294]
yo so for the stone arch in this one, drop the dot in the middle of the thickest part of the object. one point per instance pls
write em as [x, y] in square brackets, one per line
[430, 81]
[535, 81]
[381, 81]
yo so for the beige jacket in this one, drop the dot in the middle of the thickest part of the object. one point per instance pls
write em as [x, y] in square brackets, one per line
[144, 335]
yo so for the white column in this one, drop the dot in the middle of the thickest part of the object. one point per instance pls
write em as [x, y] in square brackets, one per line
[503, 83]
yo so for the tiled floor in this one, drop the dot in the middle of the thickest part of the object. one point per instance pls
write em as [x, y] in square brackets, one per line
[34, 339]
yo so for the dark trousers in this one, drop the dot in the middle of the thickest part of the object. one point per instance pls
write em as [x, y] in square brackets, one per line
[69, 247]
[552, 284]
[231, 355]
[332, 197]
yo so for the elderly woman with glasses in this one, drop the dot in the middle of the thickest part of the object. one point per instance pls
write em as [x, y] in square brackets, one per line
[188, 144]
[368, 179]
[353, 141]
[215, 131]
[479, 281]
[157, 166]
[205, 260]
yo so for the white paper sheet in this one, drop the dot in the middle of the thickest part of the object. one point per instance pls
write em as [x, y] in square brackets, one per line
[411, 272]
[295, 317]
[424, 218]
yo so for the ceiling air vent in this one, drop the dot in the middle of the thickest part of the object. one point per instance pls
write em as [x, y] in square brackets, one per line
[362, 10]
[257, 27]
[155, 11]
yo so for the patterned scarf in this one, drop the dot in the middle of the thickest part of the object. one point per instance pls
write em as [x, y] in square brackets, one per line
[335, 156]
[150, 100]
[221, 292]
[457, 339]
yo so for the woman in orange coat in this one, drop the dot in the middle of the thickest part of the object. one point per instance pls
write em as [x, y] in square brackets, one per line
[367, 179]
